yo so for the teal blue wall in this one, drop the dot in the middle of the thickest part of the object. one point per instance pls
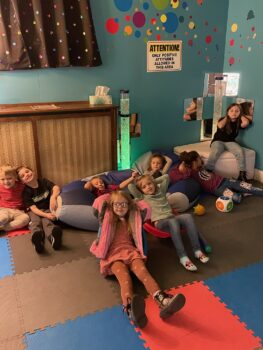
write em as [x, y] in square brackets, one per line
[244, 54]
[158, 97]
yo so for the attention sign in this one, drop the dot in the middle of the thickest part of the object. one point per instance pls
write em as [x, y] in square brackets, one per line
[164, 56]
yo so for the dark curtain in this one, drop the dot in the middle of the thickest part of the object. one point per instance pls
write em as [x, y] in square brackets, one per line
[47, 33]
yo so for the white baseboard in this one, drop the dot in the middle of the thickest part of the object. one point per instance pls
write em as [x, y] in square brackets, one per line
[258, 175]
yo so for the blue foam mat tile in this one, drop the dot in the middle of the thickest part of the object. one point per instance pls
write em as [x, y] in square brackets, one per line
[109, 329]
[242, 291]
[6, 260]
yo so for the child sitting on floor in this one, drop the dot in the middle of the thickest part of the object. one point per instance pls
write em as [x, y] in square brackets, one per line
[40, 199]
[120, 249]
[98, 186]
[153, 191]
[192, 165]
[158, 165]
[12, 217]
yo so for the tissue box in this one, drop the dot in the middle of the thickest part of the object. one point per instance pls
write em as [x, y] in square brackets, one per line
[100, 100]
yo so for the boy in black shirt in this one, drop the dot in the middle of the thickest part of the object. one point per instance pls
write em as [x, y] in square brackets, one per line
[40, 199]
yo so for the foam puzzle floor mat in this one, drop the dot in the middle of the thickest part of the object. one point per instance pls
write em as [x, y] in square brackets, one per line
[104, 330]
[73, 247]
[242, 291]
[16, 343]
[204, 323]
[17, 233]
[62, 292]
[6, 259]
[11, 324]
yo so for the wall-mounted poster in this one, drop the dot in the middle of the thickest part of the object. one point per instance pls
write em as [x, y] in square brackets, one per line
[163, 56]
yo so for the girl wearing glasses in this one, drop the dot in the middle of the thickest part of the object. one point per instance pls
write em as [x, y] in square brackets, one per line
[120, 249]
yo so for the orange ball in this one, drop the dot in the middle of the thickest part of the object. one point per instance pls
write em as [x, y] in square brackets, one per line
[199, 209]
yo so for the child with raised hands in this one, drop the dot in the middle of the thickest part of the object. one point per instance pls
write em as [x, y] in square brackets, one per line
[12, 215]
[97, 185]
[40, 199]
[153, 191]
[225, 139]
[120, 249]
[158, 165]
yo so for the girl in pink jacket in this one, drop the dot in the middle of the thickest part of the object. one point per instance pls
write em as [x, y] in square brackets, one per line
[120, 249]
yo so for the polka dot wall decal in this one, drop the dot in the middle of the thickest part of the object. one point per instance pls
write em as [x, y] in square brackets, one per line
[149, 32]
[250, 15]
[163, 18]
[252, 29]
[200, 2]
[181, 19]
[160, 4]
[231, 60]
[190, 42]
[171, 23]
[234, 27]
[153, 21]
[175, 3]
[184, 5]
[139, 19]
[158, 37]
[145, 5]
[191, 25]
[112, 26]
[128, 30]
[127, 18]
[231, 42]
[208, 39]
[137, 34]
[123, 5]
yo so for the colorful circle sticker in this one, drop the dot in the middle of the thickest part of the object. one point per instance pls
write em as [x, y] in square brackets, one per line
[123, 5]
[171, 23]
[112, 25]
[160, 4]
[139, 19]
[234, 27]
[231, 61]
[191, 25]
[128, 30]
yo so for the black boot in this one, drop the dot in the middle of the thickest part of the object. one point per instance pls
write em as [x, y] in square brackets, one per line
[169, 304]
[242, 176]
[37, 240]
[135, 310]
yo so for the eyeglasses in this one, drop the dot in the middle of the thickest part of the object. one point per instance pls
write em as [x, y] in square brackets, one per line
[120, 204]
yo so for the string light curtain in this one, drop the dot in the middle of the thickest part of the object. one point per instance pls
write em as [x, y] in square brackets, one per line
[47, 33]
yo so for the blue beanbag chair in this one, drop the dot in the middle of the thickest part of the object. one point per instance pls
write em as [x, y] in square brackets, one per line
[75, 203]
[183, 194]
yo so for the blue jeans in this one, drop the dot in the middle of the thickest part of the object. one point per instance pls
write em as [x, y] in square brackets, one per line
[218, 147]
[173, 226]
[238, 186]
